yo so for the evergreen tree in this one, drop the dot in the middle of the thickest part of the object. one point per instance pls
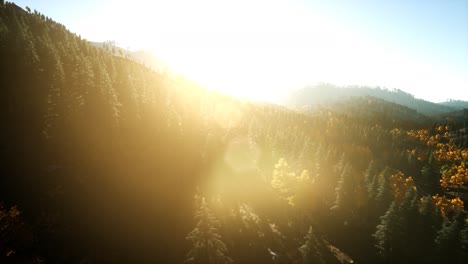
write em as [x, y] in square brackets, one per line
[427, 225]
[207, 246]
[372, 187]
[310, 250]
[345, 190]
[449, 240]
[464, 240]
[369, 174]
[383, 195]
[378, 188]
[409, 217]
[389, 234]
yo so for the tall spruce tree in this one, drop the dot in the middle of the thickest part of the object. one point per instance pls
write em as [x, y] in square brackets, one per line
[369, 173]
[389, 233]
[449, 240]
[383, 195]
[464, 240]
[310, 250]
[345, 190]
[207, 246]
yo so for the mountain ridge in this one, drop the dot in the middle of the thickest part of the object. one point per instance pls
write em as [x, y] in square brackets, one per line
[141, 56]
[329, 93]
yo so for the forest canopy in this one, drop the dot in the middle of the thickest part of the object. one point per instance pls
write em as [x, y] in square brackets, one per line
[106, 160]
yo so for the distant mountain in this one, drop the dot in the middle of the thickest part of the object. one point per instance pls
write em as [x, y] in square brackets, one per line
[327, 93]
[458, 104]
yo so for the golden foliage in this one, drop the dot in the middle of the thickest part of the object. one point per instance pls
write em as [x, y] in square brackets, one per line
[400, 186]
[455, 176]
[293, 187]
[447, 153]
[447, 205]
[282, 177]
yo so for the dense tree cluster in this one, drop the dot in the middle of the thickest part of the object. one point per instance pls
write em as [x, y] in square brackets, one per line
[101, 158]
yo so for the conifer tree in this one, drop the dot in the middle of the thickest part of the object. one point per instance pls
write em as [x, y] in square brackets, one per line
[449, 240]
[429, 222]
[409, 223]
[376, 188]
[310, 250]
[369, 173]
[283, 179]
[464, 240]
[345, 190]
[207, 246]
[383, 195]
[389, 233]
[372, 187]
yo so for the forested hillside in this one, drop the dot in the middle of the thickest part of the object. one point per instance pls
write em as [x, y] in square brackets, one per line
[144, 57]
[326, 93]
[458, 104]
[105, 161]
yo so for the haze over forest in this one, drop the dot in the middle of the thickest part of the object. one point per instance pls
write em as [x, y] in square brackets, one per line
[116, 155]
[261, 49]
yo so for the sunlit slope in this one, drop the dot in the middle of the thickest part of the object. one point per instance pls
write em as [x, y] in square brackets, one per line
[115, 151]
[108, 161]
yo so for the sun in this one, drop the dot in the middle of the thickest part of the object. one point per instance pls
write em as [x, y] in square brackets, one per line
[238, 48]
[254, 50]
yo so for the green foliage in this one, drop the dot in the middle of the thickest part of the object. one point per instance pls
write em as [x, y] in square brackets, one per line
[389, 233]
[464, 240]
[311, 249]
[369, 174]
[449, 240]
[383, 195]
[207, 246]
[345, 190]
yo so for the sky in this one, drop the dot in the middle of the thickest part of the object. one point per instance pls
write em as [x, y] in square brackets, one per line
[262, 49]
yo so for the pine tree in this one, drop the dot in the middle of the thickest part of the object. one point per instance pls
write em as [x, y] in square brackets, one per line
[207, 244]
[426, 229]
[389, 233]
[383, 192]
[409, 217]
[372, 187]
[340, 166]
[55, 107]
[310, 250]
[283, 179]
[448, 240]
[394, 236]
[375, 188]
[345, 190]
[464, 240]
[369, 173]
